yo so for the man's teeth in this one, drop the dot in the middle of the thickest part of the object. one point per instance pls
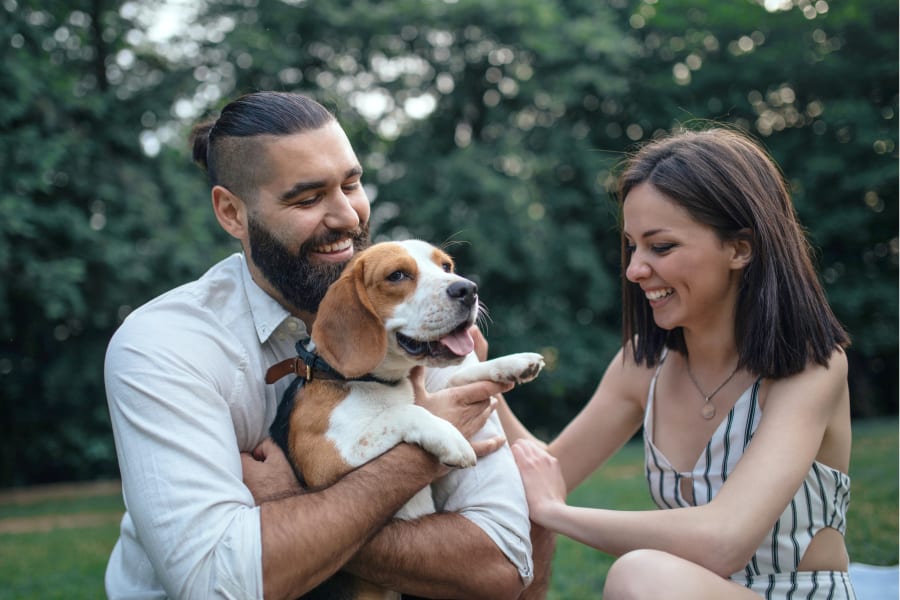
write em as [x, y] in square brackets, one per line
[657, 294]
[336, 247]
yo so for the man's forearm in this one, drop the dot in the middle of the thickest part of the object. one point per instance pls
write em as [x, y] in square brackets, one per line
[306, 538]
[442, 555]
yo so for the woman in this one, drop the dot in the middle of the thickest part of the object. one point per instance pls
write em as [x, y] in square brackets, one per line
[730, 354]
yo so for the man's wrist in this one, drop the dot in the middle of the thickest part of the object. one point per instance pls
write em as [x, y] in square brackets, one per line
[419, 459]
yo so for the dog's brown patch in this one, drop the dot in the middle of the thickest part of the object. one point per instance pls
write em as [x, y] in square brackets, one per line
[441, 258]
[349, 329]
[312, 452]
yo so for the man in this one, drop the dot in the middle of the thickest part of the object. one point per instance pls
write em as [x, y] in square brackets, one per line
[213, 509]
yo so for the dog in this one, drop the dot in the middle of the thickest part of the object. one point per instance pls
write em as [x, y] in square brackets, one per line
[395, 305]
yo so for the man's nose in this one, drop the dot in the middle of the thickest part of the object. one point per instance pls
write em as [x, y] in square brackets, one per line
[341, 215]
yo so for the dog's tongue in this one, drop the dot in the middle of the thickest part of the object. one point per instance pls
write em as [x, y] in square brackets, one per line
[460, 343]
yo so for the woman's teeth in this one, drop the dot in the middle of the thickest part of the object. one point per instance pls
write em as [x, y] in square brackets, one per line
[658, 294]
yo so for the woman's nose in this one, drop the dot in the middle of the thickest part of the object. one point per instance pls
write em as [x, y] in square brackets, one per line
[637, 269]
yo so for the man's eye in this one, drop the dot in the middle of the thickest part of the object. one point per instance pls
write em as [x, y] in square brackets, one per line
[304, 202]
[398, 276]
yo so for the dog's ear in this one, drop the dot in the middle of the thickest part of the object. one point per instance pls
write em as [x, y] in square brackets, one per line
[348, 332]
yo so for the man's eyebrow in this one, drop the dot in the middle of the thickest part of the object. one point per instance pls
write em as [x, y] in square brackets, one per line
[299, 188]
[304, 186]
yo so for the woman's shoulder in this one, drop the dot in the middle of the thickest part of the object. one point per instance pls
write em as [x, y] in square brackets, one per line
[631, 377]
[834, 370]
[817, 383]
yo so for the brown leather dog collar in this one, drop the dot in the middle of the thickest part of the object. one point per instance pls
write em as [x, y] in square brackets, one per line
[309, 366]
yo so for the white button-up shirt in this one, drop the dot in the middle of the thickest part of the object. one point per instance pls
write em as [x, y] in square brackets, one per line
[186, 392]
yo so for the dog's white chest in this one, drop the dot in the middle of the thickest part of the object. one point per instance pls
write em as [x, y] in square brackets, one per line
[369, 421]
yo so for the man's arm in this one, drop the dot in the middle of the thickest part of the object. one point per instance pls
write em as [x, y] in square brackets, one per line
[191, 528]
[443, 555]
[440, 556]
[306, 538]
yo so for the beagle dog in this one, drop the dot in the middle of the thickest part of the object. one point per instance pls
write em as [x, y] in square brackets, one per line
[396, 305]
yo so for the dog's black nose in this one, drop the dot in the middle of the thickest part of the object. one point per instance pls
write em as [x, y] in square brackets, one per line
[465, 291]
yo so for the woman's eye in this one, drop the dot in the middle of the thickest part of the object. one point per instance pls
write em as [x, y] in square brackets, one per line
[398, 276]
[662, 248]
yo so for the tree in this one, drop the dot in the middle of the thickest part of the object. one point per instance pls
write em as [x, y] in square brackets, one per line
[90, 221]
[493, 126]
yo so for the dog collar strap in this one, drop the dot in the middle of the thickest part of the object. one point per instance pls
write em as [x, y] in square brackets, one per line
[308, 366]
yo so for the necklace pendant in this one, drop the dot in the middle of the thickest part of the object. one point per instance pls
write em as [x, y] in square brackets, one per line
[708, 411]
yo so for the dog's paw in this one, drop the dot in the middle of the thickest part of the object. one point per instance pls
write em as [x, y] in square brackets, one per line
[517, 368]
[512, 368]
[457, 453]
[453, 451]
[441, 439]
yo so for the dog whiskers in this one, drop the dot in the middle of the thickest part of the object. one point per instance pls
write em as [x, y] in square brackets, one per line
[483, 318]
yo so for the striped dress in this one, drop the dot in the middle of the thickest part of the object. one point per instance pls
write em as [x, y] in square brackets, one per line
[820, 502]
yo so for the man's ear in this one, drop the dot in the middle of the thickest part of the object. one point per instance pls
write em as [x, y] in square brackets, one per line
[742, 246]
[230, 211]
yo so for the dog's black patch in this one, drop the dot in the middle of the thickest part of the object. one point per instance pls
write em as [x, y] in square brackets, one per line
[280, 426]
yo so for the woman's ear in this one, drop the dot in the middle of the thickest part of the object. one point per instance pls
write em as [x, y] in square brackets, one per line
[230, 211]
[742, 249]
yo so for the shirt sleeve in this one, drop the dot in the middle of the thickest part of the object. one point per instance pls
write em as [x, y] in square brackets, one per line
[169, 380]
[490, 494]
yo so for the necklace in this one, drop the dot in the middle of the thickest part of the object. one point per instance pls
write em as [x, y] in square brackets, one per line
[709, 409]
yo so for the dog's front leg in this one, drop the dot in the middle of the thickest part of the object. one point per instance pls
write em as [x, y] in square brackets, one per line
[360, 438]
[512, 368]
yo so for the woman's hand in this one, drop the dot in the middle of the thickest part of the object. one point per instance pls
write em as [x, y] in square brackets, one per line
[481, 343]
[543, 479]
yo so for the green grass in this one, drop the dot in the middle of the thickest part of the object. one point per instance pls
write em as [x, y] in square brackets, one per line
[62, 562]
[69, 562]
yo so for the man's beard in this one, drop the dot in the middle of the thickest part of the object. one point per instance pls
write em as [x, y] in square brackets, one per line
[300, 282]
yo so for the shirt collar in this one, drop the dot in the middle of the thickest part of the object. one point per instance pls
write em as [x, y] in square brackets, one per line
[267, 313]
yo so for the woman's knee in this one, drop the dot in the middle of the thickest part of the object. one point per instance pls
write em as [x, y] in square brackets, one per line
[634, 575]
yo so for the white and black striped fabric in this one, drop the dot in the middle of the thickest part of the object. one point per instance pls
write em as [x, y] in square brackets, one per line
[820, 502]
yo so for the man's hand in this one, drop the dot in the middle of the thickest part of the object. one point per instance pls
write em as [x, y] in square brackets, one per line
[481, 343]
[268, 473]
[466, 406]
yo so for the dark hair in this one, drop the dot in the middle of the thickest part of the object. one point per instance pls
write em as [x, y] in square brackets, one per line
[728, 182]
[229, 147]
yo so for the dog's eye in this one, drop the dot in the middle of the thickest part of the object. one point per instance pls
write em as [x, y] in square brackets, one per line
[448, 268]
[398, 276]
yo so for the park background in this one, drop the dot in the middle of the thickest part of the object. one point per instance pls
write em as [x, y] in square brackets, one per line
[491, 125]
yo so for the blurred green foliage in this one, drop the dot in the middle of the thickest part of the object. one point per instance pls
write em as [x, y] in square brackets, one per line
[492, 125]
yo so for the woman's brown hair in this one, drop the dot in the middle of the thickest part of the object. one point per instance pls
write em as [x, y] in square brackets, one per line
[728, 182]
